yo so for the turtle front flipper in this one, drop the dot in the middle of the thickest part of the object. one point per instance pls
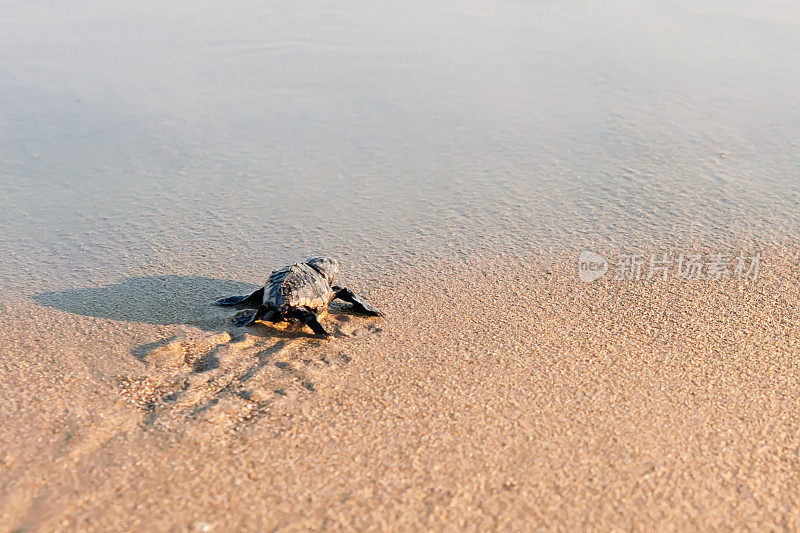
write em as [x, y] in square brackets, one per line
[360, 305]
[255, 299]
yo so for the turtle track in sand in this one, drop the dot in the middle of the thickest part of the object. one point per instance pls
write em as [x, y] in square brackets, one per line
[225, 380]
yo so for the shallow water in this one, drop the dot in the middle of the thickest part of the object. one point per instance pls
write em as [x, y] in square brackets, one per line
[195, 138]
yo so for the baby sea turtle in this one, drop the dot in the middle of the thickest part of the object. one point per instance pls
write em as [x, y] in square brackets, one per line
[301, 291]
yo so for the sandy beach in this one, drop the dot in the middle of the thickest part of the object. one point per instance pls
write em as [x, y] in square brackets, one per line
[458, 160]
[497, 399]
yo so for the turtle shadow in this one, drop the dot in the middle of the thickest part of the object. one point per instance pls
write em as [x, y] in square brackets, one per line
[158, 300]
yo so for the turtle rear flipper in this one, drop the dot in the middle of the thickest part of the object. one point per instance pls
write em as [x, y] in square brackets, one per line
[311, 320]
[245, 318]
[249, 316]
[255, 299]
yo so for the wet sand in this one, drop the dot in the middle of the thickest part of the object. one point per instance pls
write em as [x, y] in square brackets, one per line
[497, 398]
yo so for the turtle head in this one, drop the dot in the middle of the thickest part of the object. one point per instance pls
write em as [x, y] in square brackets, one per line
[326, 266]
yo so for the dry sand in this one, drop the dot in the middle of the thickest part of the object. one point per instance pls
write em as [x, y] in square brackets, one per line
[494, 398]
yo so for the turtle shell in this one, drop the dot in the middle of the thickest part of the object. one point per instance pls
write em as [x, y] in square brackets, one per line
[297, 285]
